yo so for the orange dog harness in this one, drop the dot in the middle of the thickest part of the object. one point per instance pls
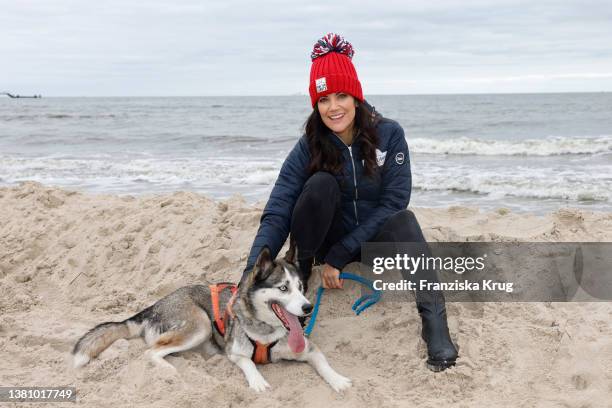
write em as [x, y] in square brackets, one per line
[261, 352]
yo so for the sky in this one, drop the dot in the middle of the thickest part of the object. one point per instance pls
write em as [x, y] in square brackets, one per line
[224, 47]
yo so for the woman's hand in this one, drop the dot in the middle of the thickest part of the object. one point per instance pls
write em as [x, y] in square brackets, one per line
[329, 277]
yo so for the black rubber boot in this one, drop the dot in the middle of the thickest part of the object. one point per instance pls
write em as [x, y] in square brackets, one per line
[305, 270]
[441, 352]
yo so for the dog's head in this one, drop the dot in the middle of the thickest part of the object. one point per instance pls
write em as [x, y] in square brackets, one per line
[275, 291]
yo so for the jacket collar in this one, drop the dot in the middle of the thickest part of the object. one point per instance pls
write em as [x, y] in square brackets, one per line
[375, 114]
[336, 139]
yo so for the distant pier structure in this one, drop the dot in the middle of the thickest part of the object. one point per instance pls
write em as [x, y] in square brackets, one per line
[14, 96]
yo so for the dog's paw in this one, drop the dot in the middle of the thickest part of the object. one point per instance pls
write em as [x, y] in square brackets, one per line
[339, 383]
[258, 384]
[160, 363]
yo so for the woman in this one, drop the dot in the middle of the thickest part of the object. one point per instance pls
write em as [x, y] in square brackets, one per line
[346, 182]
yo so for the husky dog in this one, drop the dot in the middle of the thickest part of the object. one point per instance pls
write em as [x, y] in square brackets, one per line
[264, 311]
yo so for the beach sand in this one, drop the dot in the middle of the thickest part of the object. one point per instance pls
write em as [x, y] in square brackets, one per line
[70, 260]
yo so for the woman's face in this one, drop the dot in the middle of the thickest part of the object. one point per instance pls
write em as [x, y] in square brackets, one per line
[338, 113]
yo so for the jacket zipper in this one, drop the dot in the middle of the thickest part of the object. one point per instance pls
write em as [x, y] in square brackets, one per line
[354, 184]
[354, 178]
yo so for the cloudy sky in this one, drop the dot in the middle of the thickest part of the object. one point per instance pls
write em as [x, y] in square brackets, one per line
[189, 47]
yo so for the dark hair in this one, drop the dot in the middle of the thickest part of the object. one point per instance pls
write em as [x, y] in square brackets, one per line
[324, 156]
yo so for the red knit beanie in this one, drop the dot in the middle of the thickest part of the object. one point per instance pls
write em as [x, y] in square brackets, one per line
[332, 70]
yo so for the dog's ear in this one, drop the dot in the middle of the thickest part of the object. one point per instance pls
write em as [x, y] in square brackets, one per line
[291, 255]
[263, 264]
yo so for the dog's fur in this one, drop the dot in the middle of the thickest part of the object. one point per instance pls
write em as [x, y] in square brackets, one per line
[183, 320]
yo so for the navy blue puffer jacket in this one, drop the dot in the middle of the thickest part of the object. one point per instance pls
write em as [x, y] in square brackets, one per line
[367, 202]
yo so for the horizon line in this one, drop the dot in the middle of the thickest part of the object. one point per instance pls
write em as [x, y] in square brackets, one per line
[306, 95]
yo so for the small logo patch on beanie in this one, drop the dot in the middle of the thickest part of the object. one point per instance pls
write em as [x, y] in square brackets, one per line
[321, 84]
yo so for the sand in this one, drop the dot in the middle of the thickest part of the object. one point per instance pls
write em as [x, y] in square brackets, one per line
[70, 260]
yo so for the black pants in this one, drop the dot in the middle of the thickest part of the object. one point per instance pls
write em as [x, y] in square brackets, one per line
[316, 225]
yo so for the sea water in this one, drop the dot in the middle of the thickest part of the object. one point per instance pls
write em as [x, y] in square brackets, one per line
[526, 152]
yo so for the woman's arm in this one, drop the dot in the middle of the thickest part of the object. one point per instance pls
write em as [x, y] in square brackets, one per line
[276, 218]
[396, 185]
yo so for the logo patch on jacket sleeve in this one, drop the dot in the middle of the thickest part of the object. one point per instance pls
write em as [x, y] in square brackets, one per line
[321, 84]
[399, 158]
[380, 157]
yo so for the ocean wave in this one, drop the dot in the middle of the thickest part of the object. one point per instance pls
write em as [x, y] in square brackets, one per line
[13, 117]
[590, 183]
[104, 171]
[244, 140]
[550, 146]
[560, 182]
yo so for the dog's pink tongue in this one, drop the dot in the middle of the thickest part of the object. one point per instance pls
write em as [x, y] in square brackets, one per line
[296, 334]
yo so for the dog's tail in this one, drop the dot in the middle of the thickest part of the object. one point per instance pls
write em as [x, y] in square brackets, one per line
[101, 337]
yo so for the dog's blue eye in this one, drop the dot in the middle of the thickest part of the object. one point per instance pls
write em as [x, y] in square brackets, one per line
[283, 288]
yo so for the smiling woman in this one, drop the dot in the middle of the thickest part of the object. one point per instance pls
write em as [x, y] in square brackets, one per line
[338, 114]
[347, 181]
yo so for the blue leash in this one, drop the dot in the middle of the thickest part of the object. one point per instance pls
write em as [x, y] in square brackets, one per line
[359, 306]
